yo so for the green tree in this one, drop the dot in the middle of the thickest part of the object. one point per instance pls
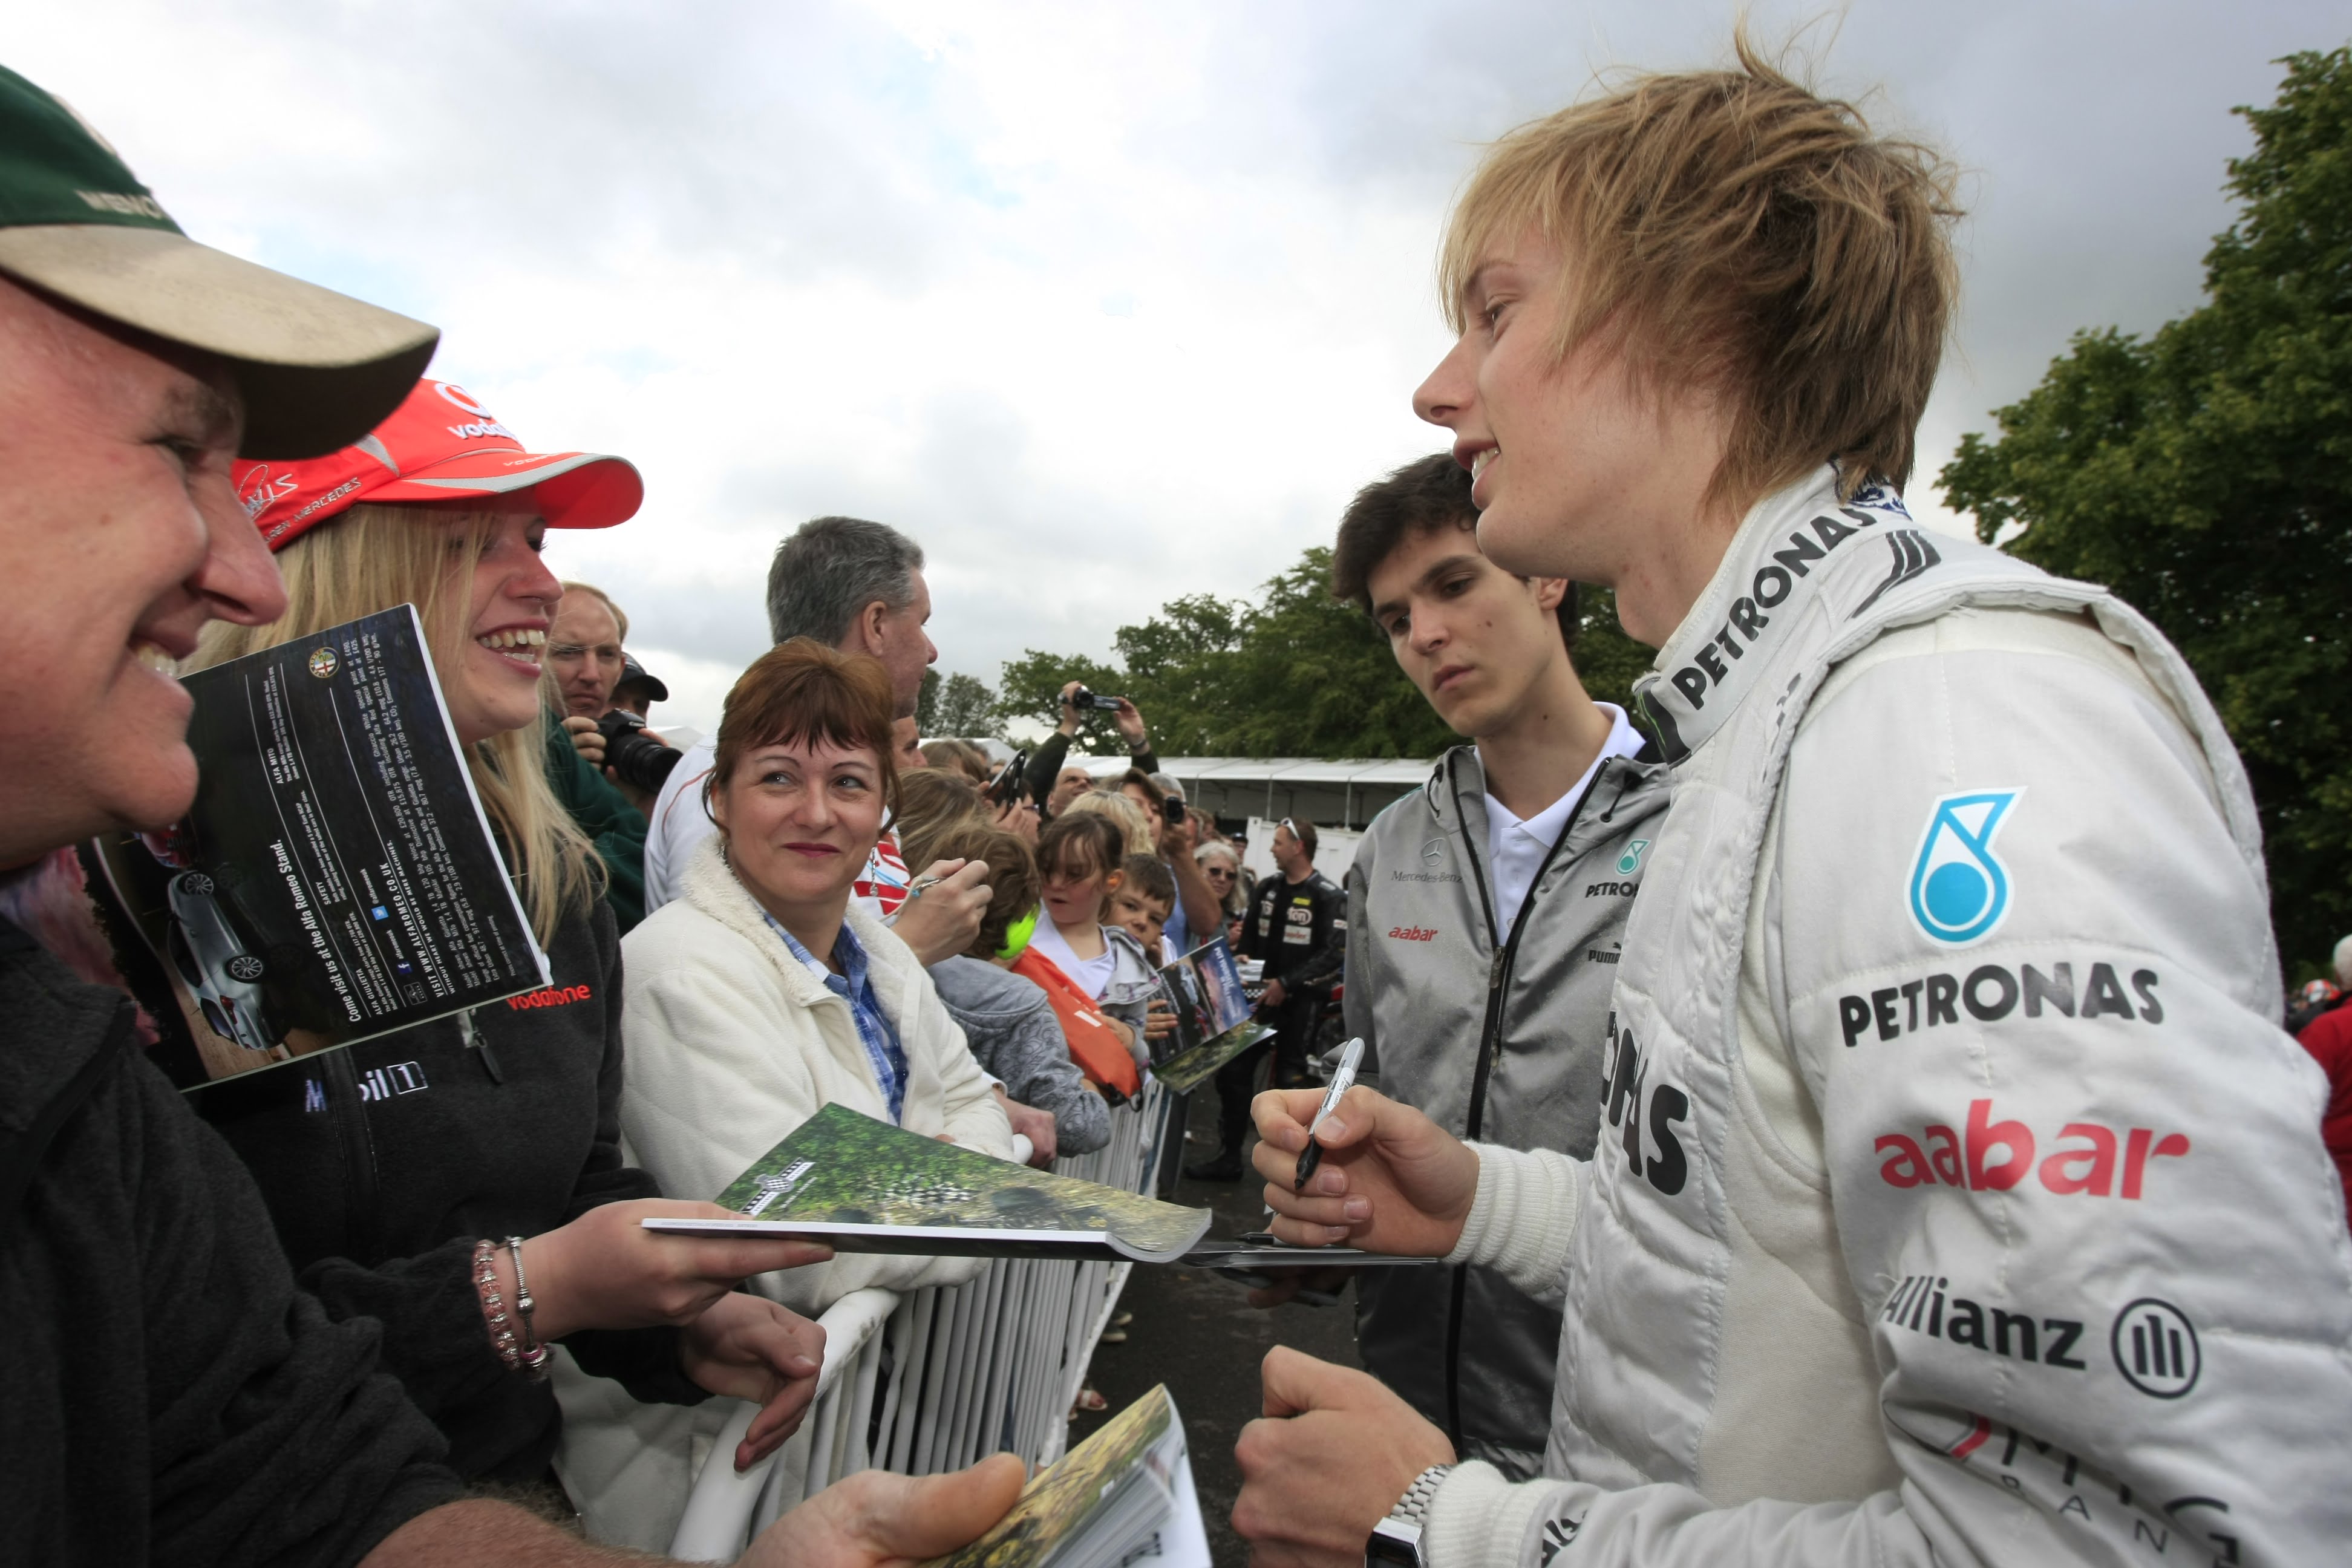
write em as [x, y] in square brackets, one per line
[1607, 660]
[1031, 687]
[968, 710]
[1293, 673]
[957, 705]
[2205, 473]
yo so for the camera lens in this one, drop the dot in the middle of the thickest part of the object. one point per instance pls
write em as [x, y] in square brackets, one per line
[636, 757]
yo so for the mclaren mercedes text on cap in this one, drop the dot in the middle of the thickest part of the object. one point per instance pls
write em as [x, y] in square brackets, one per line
[440, 445]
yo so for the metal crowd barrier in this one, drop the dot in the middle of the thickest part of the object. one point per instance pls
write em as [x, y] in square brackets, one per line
[939, 1379]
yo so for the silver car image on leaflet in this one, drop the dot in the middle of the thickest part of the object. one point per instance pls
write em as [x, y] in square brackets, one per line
[215, 964]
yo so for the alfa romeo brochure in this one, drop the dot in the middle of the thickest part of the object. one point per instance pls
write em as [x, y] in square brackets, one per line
[336, 878]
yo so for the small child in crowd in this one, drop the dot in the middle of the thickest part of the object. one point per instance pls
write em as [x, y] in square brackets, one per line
[1141, 903]
[1079, 855]
[1008, 1020]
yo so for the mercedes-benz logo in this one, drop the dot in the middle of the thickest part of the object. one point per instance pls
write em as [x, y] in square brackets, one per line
[1432, 852]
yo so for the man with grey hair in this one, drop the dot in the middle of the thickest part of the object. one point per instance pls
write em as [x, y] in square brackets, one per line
[858, 586]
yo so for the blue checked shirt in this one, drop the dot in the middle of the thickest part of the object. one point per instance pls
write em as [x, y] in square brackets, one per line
[855, 985]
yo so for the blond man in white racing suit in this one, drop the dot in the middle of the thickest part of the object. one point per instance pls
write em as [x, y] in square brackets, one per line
[1959, 1200]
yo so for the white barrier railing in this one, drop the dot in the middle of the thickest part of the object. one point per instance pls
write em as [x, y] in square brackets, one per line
[939, 1379]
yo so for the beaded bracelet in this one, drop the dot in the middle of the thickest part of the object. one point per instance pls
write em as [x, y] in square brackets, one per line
[531, 1361]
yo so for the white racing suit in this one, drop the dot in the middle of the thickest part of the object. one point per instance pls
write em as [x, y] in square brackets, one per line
[1958, 1199]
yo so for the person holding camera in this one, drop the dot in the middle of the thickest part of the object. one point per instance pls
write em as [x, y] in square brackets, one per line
[604, 694]
[1194, 920]
[1050, 784]
[598, 757]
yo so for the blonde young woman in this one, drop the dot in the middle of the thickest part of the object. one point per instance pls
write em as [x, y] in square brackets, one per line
[509, 1125]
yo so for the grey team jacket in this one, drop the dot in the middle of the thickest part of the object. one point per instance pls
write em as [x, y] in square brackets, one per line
[1499, 1042]
[1961, 1201]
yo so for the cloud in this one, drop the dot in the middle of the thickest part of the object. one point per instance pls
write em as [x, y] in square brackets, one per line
[1103, 304]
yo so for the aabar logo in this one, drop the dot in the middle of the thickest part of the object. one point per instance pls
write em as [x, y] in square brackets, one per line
[1996, 1156]
[1959, 887]
[553, 996]
[1413, 934]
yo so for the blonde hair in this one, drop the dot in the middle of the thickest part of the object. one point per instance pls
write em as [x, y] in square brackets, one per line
[1121, 809]
[376, 556]
[1732, 233]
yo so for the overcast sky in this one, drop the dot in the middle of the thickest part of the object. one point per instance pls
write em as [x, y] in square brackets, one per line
[1102, 303]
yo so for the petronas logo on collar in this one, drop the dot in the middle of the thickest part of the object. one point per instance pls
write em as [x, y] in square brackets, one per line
[1959, 887]
[1631, 861]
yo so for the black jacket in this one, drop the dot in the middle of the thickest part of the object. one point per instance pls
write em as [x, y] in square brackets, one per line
[385, 1163]
[169, 1395]
[1499, 1039]
[1045, 765]
[1300, 928]
[616, 828]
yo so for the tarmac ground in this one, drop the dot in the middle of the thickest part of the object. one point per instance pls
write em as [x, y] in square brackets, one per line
[1197, 1334]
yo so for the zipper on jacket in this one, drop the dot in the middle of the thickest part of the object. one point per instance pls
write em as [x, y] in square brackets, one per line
[363, 1194]
[473, 1039]
[1490, 1031]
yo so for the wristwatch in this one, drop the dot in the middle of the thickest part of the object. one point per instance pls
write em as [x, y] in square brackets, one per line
[1397, 1538]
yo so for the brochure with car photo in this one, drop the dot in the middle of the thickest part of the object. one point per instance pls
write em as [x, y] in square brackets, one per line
[1213, 1026]
[1122, 1499]
[336, 878]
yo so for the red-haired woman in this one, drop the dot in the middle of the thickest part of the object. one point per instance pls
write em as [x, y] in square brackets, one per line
[766, 991]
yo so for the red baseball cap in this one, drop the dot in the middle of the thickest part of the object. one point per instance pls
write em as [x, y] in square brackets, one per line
[438, 445]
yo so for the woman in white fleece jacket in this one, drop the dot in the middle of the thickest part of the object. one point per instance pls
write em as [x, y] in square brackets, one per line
[760, 994]
[765, 990]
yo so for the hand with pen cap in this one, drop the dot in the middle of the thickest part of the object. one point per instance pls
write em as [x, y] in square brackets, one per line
[1388, 1180]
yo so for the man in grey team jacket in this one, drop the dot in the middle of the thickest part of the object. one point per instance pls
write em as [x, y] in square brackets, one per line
[1484, 916]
